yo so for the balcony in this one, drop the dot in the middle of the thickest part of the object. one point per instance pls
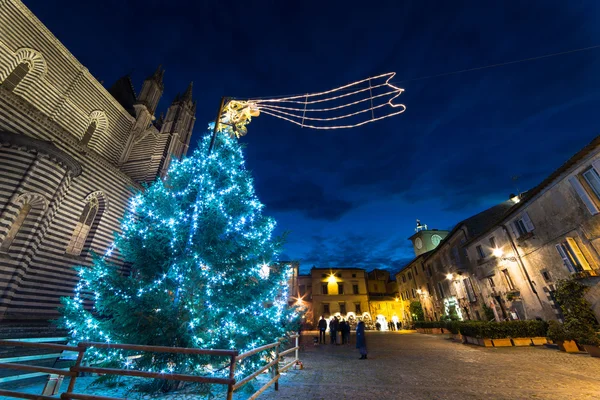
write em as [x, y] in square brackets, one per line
[525, 237]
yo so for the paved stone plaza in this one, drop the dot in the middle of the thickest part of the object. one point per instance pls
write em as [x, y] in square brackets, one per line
[414, 366]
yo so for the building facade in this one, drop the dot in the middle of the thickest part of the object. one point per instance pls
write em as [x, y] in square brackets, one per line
[504, 263]
[71, 153]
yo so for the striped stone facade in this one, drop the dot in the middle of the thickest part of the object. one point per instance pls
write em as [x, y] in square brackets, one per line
[71, 152]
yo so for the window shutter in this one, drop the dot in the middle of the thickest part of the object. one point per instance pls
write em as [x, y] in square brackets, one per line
[527, 222]
[577, 251]
[565, 258]
[596, 165]
[513, 228]
[583, 195]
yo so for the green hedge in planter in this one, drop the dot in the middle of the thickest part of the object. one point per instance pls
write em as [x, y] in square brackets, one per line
[453, 326]
[504, 330]
[429, 324]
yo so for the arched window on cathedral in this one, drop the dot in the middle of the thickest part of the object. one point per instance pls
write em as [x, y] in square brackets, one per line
[16, 76]
[82, 229]
[88, 133]
[15, 227]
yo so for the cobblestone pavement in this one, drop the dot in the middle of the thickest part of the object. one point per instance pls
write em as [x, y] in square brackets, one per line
[415, 366]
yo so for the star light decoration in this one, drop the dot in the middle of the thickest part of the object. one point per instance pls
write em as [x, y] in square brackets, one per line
[349, 106]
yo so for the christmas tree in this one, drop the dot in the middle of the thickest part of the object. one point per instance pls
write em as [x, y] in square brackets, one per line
[203, 270]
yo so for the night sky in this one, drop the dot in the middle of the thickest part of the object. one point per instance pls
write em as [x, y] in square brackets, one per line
[350, 198]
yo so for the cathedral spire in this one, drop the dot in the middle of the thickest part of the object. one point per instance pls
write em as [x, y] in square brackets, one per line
[158, 75]
[188, 92]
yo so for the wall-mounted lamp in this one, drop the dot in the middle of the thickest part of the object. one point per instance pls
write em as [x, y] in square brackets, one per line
[449, 277]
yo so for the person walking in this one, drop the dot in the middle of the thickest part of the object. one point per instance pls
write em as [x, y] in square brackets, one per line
[343, 324]
[347, 330]
[333, 328]
[361, 342]
[322, 329]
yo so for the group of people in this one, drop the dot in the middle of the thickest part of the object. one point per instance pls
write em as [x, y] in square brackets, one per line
[343, 327]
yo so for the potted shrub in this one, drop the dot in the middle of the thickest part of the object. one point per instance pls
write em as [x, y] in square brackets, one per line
[559, 335]
[523, 332]
[592, 345]
[499, 332]
[453, 327]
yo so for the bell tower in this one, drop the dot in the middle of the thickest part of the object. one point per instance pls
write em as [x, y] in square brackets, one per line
[425, 239]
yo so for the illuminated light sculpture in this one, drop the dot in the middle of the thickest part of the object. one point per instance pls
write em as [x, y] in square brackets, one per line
[349, 106]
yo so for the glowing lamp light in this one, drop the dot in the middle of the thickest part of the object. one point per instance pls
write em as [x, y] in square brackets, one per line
[397, 299]
[449, 277]
[419, 291]
[498, 252]
[331, 278]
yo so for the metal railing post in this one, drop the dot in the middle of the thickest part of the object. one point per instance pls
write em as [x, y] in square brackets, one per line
[231, 377]
[75, 368]
[297, 348]
[276, 366]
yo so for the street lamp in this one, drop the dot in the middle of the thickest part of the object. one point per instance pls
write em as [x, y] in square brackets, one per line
[498, 253]
[449, 276]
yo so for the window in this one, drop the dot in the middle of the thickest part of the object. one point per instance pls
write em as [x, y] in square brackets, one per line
[16, 76]
[441, 290]
[480, 252]
[429, 271]
[355, 289]
[357, 308]
[572, 256]
[491, 282]
[414, 293]
[326, 309]
[340, 288]
[409, 276]
[343, 308]
[404, 278]
[354, 275]
[324, 289]
[376, 287]
[428, 288]
[493, 242]
[15, 227]
[546, 276]
[523, 225]
[88, 133]
[509, 281]
[583, 194]
[82, 229]
[592, 179]
[323, 276]
[469, 289]
[302, 290]
[339, 275]
[416, 271]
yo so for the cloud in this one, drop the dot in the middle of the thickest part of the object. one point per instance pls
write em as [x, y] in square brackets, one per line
[310, 199]
[358, 251]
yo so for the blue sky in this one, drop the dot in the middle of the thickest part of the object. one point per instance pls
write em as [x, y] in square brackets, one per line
[350, 198]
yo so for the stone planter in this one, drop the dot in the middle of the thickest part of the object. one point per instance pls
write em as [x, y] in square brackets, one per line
[420, 330]
[470, 340]
[436, 331]
[594, 351]
[502, 342]
[521, 341]
[427, 330]
[457, 337]
[567, 345]
[539, 341]
[484, 342]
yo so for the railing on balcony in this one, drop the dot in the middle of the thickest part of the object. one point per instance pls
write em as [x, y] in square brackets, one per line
[76, 370]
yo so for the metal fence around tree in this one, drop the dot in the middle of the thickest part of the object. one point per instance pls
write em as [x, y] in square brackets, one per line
[77, 369]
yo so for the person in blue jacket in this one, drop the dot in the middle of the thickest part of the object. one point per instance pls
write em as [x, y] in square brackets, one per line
[361, 342]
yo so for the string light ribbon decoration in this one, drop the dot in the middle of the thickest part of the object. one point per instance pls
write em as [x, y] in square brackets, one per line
[349, 106]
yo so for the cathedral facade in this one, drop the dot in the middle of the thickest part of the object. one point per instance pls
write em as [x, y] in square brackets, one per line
[71, 154]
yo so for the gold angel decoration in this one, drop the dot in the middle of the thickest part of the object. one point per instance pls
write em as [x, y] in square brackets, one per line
[236, 114]
[348, 106]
